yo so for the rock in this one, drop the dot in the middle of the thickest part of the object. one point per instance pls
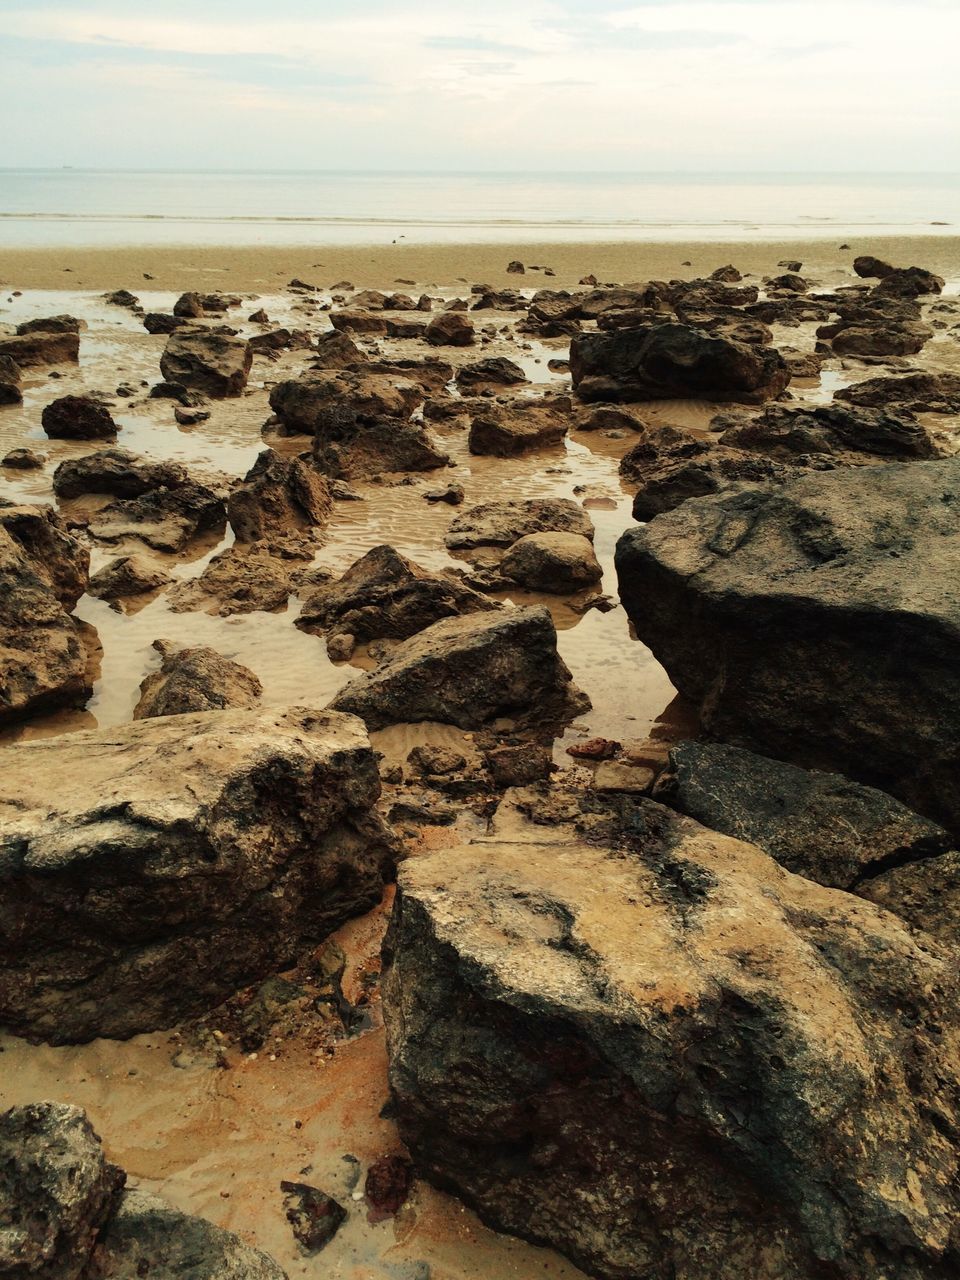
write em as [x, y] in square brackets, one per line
[515, 268]
[359, 322]
[519, 764]
[785, 614]
[910, 282]
[188, 306]
[452, 494]
[122, 298]
[315, 1217]
[557, 563]
[450, 329]
[190, 417]
[52, 324]
[78, 418]
[496, 371]
[127, 576]
[178, 860]
[918, 392]
[118, 472]
[29, 350]
[818, 825]
[10, 393]
[470, 671]
[850, 436]
[331, 403]
[238, 580]
[622, 778]
[500, 524]
[279, 496]
[790, 264]
[790, 282]
[147, 1237]
[681, 1060]
[435, 761]
[669, 466]
[57, 1191]
[24, 460]
[505, 431]
[10, 372]
[387, 1185]
[214, 363]
[905, 340]
[335, 350]
[667, 361]
[374, 450]
[43, 571]
[727, 275]
[595, 749]
[868, 267]
[165, 519]
[607, 417]
[158, 322]
[383, 594]
[196, 679]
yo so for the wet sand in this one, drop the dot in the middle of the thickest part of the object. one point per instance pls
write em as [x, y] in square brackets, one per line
[264, 268]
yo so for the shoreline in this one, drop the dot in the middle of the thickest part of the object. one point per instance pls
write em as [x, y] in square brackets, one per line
[253, 268]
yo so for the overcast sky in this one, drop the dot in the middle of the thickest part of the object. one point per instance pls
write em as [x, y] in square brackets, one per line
[482, 84]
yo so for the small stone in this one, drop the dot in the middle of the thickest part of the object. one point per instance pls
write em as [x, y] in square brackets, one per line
[314, 1216]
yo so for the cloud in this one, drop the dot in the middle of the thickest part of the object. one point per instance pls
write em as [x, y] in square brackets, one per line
[476, 44]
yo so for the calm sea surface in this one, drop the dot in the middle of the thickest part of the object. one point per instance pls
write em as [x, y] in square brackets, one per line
[77, 206]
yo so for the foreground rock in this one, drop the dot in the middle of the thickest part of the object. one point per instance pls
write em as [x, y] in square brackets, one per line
[196, 679]
[39, 347]
[557, 563]
[43, 571]
[176, 861]
[202, 360]
[470, 672]
[669, 361]
[78, 418]
[65, 1215]
[386, 595]
[680, 1062]
[817, 622]
[819, 825]
[279, 496]
[507, 430]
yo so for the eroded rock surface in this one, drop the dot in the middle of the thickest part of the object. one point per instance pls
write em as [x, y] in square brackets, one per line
[279, 496]
[204, 360]
[196, 678]
[500, 524]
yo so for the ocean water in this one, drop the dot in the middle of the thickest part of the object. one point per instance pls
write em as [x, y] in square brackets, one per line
[40, 207]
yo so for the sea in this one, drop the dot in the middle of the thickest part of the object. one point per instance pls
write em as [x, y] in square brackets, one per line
[57, 207]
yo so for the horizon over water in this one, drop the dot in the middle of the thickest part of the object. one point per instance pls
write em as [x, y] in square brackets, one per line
[73, 206]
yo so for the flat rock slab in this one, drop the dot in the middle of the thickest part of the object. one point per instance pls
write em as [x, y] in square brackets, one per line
[150, 870]
[470, 671]
[676, 1058]
[817, 622]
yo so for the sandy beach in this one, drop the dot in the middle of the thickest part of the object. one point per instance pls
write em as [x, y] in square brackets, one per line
[264, 269]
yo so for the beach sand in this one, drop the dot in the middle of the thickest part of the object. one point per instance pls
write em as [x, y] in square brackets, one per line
[251, 268]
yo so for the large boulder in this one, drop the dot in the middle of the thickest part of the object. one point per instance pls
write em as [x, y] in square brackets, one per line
[817, 622]
[676, 1059]
[115, 471]
[670, 361]
[556, 563]
[43, 573]
[279, 496]
[818, 825]
[203, 360]
[78, 418]
[383, 594]
[65, 1213]
[175, 861]
[470, 671]
[196, 679]
[500, 524]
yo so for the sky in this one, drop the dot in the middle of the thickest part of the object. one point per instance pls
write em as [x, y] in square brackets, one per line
[524, 85]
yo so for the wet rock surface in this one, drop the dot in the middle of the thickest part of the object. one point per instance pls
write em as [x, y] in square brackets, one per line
[279, 496]
[214, 363]
[553, 562]
[196, 679]
[179, 859]
[675, 1058]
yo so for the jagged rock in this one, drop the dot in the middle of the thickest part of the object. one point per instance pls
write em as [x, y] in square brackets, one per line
[214, 363]
[470, 671]
[52, 324]
[373, 450]
[665, 361]
[328, 401]
[314, 1216]
[39, 347]
[196, 679]
[817, 622]
[122, 298]
[238, 580]
[496, 371]
[500, 524]
[279, 496]
[851, 436]
[450, 329]
[505, 431]
[127, 576]
[606, 417]
[818, 825]
[918, 392]
[359, 322]
[910, 282]
[115, 471]
[188, 306]
[676, 1060]
[43, 573]
[57, 1191]
[452, 494]
[557, 563]
[164, 519]
[158, 322]
[177, 860]
[669, 466]
[77, 418]
[384, 594]
[336, 350]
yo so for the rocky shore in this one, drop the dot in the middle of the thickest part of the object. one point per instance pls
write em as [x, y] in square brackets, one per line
[593, 648]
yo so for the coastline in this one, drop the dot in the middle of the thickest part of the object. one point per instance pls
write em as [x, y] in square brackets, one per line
[253, 268]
